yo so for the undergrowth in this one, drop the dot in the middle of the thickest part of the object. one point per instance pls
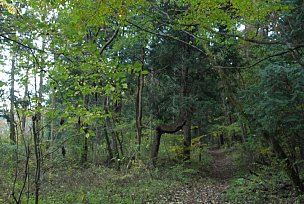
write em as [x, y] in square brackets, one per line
[257, 180]
[65, 181]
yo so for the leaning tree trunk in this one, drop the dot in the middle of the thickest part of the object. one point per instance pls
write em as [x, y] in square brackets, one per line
[161, 129]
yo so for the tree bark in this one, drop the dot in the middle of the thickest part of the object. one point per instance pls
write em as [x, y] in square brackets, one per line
[114, 145]
[25, 102]
[187, 138]
[140, 85]
[187, 126]
[37, 157]
[12, 101]
[84, 155]
[108, 143]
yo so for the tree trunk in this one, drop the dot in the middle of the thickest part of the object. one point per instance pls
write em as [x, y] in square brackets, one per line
[155, 147]
[115, 119]
[164, 129]
[114, 145]
[84, 155]
[108, 143]
[37, 135]
[25, 102]
[187, 125]
[140, 85]
[40, 118]
[12, 101]
[187, 138]
[120, 141]
[53, 106]
[37, 157]
[243, 131]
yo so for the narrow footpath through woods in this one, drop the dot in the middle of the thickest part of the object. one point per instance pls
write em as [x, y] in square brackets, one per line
[205, 190]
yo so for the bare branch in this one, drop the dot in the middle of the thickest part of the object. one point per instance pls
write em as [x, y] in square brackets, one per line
[109, 42]
[166, 36]
[20, 43]
[265, 58]
[224, 34]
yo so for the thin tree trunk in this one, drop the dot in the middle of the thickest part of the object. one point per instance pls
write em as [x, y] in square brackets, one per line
[139, 92]
[119, 141]
[12, 101]
[114, 145]
[108, 143]
[37, 157]
[38, 133]
[25, 102]
[187, 126]
[84, 155]
[243, 131]
[115, 119]
[187, 138]
[52, 120]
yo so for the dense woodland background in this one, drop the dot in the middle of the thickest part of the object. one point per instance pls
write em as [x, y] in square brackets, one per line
[152, 101]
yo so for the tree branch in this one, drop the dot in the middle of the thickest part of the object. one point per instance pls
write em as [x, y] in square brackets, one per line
[20, 43]
[109, 42]
[224, 34]
[264, 59]
[166, 36]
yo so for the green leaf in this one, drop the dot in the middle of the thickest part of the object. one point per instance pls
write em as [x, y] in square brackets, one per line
[2, 83]
[125, 86]
[144, 72]
[87, 135]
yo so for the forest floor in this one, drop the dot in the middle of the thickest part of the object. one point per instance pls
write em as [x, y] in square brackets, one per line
[209, 178]
[203, 190]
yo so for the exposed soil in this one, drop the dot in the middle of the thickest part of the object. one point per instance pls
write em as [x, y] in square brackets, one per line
[206, 190]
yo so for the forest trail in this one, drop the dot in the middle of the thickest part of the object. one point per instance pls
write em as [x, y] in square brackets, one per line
[221, 168]
[206, 190]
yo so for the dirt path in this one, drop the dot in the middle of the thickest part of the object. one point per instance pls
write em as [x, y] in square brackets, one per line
[221, 169]
[205, 190]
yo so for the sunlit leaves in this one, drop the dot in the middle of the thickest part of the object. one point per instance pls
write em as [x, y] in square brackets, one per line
[9, 7]
[211, 13]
